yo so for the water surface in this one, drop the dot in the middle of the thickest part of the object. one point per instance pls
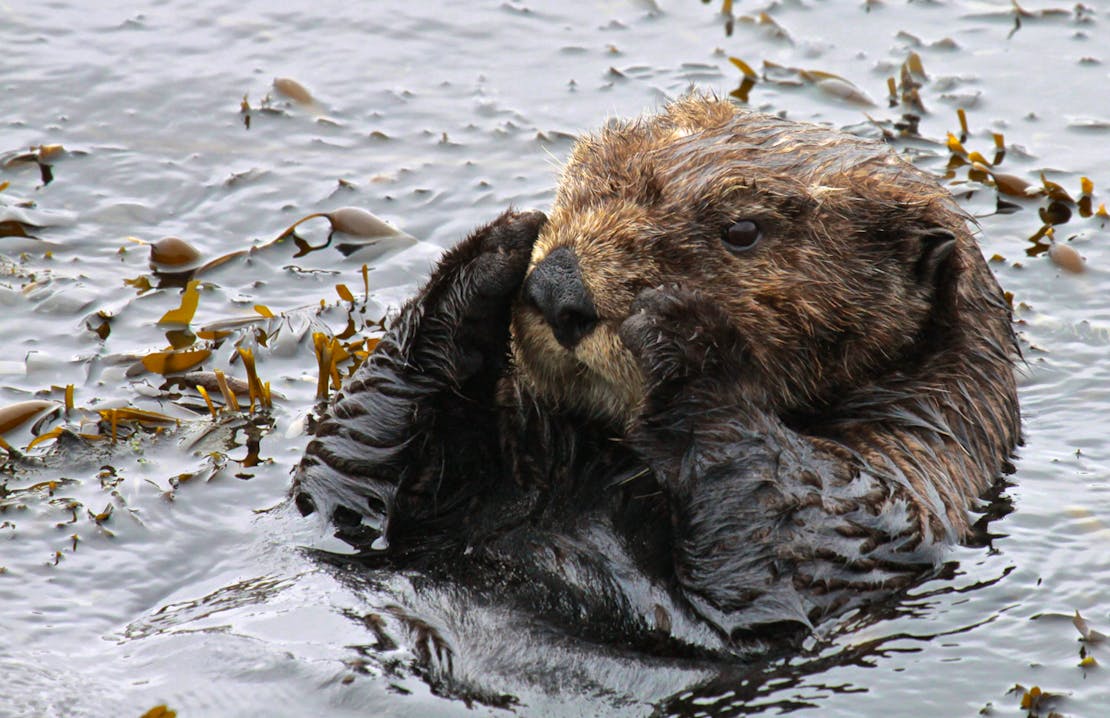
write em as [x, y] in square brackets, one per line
[193, 591]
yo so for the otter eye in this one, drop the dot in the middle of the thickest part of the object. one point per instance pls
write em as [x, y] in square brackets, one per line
[741, 236]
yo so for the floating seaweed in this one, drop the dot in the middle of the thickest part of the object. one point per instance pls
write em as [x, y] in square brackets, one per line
[174, 362]
[362, 230]
[1066, 257]
[16, 228]
[42, 156]
[183, 314]
[747, 82]
[15, 415]
[1056, 204]
[769, 27]
[294, 90]
[829, 83]
[1088, 634]
[256, 390]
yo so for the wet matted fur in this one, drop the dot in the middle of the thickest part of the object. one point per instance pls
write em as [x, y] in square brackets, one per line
[740, 444]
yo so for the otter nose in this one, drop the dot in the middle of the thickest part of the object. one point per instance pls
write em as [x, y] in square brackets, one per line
[555, 287]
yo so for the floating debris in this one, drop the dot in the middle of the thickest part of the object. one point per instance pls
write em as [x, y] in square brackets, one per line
[1055, 213]
[15, 415]
[230, 400]
[1012, 185]
[1035, 701]
[174, 362]
[369, 229]
[358, 222]
[257, 391]
[15, 228]
[350, 221]
[1055, 191]
[245, 111]
[293, 90]
[1088, 634]
[827, 82]
[207, 400]
[916, 68]
[206, 380]
[747, 82]
[770, 28]
[40, 155]
[906, 91]
[190, 298]
[144, 417]
[1066, 257]
[172, 254]
[325, 347]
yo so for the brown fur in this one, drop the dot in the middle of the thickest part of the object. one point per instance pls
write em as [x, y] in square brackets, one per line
[749, 442]
[841, 339]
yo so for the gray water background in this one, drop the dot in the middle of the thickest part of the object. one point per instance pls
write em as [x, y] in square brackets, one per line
[436, 116]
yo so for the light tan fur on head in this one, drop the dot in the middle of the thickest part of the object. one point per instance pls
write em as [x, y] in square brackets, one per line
[827, 299]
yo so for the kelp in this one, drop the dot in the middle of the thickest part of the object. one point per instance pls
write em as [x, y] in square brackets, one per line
[748, 79]
[1066, 257]
[174, 362]
[294, 90]
[829, 83]
[173, 255]
[42, 156]
[1055, 205]
[16, 228]
[15, 415]
[183, 314]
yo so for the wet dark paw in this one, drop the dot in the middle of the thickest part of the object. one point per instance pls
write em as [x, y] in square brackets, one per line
[503, 249]
[466, 303]
[678, 334]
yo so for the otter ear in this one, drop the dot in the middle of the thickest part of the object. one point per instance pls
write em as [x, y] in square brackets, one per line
[936, 256]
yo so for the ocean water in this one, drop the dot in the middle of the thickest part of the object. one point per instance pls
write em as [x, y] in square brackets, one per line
[165, 567]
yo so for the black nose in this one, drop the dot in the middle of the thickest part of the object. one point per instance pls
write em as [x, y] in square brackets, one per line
[555, 287]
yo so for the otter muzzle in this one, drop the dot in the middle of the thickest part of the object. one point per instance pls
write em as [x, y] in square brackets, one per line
[555, 288]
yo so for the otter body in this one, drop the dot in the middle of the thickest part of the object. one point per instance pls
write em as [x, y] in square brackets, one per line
[747, 373]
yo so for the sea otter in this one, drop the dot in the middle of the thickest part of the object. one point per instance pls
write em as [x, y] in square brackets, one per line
[746, 374]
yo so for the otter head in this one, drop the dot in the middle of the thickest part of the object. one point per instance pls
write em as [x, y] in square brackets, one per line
[830, 255]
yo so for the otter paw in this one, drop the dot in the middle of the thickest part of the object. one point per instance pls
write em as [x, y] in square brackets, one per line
[488, 265]
[500, 252]
[678, 334]
[464, 309]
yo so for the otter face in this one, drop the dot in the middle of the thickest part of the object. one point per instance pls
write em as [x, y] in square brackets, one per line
[827, 252]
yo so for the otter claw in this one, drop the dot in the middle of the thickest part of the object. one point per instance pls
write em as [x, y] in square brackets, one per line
[504, 253]
[462, 329]
[662, 300]
[518, 232]
[677, 334]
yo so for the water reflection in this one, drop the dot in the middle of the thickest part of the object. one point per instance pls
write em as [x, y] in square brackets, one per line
[187, 615]
[466, 648]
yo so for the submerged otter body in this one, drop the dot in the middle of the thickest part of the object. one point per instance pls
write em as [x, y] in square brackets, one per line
[746, 374]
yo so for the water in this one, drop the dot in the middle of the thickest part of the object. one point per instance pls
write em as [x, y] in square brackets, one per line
[193, 592]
